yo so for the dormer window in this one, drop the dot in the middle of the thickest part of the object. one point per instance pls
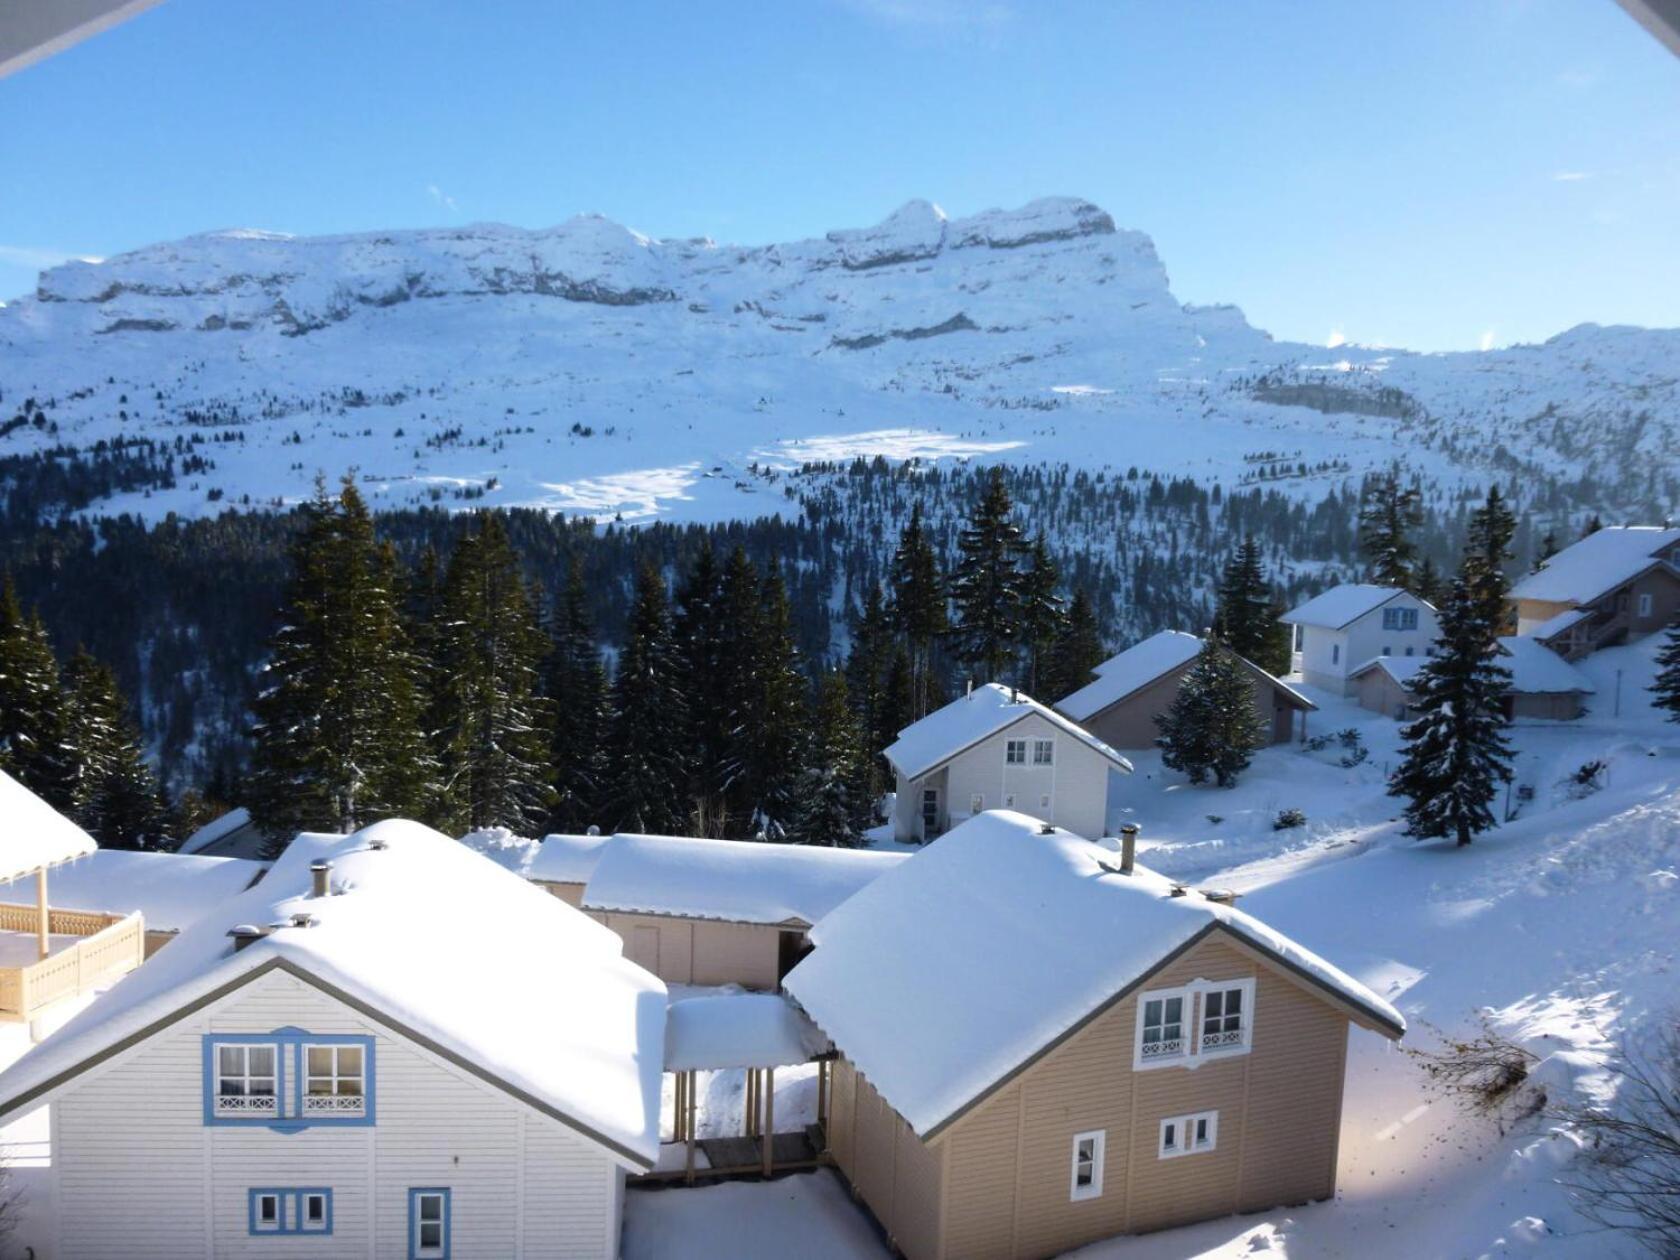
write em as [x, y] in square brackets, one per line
[1183, 1027]
[288, 1079]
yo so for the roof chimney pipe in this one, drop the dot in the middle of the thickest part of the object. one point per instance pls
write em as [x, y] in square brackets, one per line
[1128, 847]
[244, 934]
[320, 872]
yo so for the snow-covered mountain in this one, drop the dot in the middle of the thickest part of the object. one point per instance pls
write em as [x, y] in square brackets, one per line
[587, 367]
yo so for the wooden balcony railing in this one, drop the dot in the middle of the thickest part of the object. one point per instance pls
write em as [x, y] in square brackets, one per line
[111, 945]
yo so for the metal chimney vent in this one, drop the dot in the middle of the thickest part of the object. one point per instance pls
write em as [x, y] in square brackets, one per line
[320, 874]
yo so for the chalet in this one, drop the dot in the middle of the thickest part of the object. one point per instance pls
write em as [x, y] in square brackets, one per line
[1348, 625]
[354, 1058]
[50, 954]
[1543, 684]
[997, 748]
[1134, 688]
[1618, 583]
[171, 891]
[1131, 1056]
[233, 834]
[695, 911]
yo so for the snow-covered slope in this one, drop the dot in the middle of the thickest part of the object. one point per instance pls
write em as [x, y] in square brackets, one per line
[591, 368]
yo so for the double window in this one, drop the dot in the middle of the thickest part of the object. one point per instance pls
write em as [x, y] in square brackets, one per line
[1400, 619]
[1021, 752]
[1087, 1175]
[288, 1079]
[1044, 752]
[293, 1210]
[1189, 1135]
[428, 1223]
[1015, 752]
[1204, 1019]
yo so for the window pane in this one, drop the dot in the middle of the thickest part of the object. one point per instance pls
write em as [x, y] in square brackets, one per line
[262, 1086]
[268, 1207]
[232, 1059]
[350, 1060]
[1215, 1003]
[349, 1088]
[1233, 1001]
[431, 1207]
[262, 1060]
[1175, 1010]
[1169, 1140]
[320, 1060]
[431, 1235]
[1201, 1132]
[315, 1209]
[231, 1088]
[1152, 1013]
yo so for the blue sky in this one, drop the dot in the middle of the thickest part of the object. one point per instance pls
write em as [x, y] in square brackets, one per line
[1432, 173]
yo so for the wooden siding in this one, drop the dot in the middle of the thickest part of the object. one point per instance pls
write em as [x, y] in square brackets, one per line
[700, 951]
[1129, 723]
[896, 1175]
[1008, 1162]
[571, 894]
[141, 1175]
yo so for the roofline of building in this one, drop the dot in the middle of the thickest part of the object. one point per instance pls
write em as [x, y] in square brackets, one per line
[1300, 699]
[1042, 710]
[37, 1093]
[1373, 1019]
[1288, 617]
[1657, 562]
[794, 924]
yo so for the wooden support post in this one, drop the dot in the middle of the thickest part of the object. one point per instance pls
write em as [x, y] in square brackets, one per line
[43, 920]
[677, 1106]
[769, 1120]
[749, 1109]
[822, 1097]
[688, 1127]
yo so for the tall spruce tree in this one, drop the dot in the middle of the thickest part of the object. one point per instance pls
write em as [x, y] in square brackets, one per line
[833, 807]
[646, 740]
[31, 704]
[1389, 516]
[768, 736]
[1427, 585]
[918, 607]
[701, 639]
[1455, 754]
[1666, 687]
[337, 734]
[726, 779]
[1487, 556]
[1211, 727]
[867, 667]
[1246, 615]
[114, 795]
[986, 587]
[1043, 613]
[490, 723]
[1078, 649]
[577, 694]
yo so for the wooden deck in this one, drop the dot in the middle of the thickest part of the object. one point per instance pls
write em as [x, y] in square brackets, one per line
[85, 952]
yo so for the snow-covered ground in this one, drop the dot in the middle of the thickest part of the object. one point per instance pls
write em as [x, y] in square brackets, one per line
[1563, 925]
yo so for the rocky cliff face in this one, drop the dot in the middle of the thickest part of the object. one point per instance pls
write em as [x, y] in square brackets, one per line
[590, 367]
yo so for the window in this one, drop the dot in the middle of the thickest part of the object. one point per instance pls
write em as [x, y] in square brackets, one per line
[1044, 752]
[246, 1080]
[288, 1079]
[977, 803]
[306, 1210]
[1387, 650]
[1009, 800]
[1044, 800]
[1015, 752]
[1205, 1019]
[428, 1224]
[1087, 1180]
[1335, 653]
[1410, 650]
[1645, 604]
[1400, 619]
[1189, 1135]
[333, 1085]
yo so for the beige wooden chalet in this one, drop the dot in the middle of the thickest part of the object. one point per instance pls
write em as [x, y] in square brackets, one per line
[1076, 1048]
[49, 954]
[1619, 583]
[997, 748]
[1120, 706]
[709, 912]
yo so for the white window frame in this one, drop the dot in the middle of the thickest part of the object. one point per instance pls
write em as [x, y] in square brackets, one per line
[1044, 752]
[278, 1224]
[1183, 1129]
[1014, 752]
[1645, 603]
[304, 1224]
[1098, 1138]
[332, 1102]
[245, 1103]
[1192, 1051]
[421, 1249]
[1245, 1019]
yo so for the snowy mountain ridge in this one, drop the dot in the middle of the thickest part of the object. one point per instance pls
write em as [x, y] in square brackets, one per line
[591, 368]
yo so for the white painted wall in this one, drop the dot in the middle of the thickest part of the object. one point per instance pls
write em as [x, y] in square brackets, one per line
[1328, 655]
[138, 1174]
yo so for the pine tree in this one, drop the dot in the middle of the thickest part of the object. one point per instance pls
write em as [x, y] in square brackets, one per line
[1487, 553]
[830, 810]
[113, 793]
[768, 736]
[987, 585]
[1243, 608]
[918, 607]
[1387, 519]
[867, 666]
[337, 735]
[726, 798]
[1666, 687]
[31, 704]
[490, 724]
[706, 675]
[1211, 727]
[1043, 612]
[1548, 549]
[577, 693]
[1427, 585]
[1455, 754]
[1593, 525]
[1078, 649]
[646, 740]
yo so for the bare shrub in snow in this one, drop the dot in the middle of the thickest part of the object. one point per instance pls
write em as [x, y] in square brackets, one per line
[1484, 1074]
[1287, 818]
[1628, 1177]
[1582, 783]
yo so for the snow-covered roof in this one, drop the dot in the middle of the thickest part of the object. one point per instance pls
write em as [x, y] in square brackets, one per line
[504, 848]
[437, 942]
[1600, 562]
[1535, 668]
[1558, 623]
[1141, 664]
[924, 746]
[566, 859]
[739, 881]
[33, 834]
[172, 890]
[1019, 937]
[216, 830]
[1341, 605]
[739, 1030]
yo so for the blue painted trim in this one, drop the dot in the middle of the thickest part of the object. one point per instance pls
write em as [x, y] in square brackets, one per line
[289, 1086]
[288, 1211]
[414, 1252]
